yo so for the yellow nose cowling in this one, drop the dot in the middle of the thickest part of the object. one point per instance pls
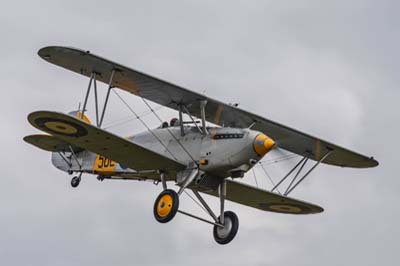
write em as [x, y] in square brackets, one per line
[263, 144]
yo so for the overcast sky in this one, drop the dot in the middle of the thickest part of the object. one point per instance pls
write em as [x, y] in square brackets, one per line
[328, 69]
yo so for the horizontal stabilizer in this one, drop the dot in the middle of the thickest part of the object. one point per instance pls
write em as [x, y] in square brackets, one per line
[50, 143]
[81, 134]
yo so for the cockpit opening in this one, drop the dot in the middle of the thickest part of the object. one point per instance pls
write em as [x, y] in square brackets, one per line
[173, 123]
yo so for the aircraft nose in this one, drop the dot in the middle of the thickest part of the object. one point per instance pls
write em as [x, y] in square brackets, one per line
[263, 144]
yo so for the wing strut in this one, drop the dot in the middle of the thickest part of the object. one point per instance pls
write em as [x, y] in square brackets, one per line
[93, 79]
[292, 185]
[203, 116]
[87, 96]
[297, 174]
[181, 121]
[107, 96]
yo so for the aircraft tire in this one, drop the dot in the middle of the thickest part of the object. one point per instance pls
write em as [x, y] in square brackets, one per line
[75, 181]
[231, 225]
[166, 206]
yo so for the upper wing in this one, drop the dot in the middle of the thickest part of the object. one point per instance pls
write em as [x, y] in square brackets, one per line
[172, 96]
[86, 136]
[265, 200]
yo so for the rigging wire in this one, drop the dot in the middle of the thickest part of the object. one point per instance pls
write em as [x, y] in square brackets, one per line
[152, 110]
[269, 177]
[279, 159]
[176, 139]
[128, 119]
[255, 178]
[148, 128]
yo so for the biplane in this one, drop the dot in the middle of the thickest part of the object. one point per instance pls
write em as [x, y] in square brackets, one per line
[206, 154]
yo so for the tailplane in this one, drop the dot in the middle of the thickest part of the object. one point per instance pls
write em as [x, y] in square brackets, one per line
[78, 114]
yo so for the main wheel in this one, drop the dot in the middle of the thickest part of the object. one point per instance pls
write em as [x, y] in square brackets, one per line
[75, 181]
[166, 206]
[224, 235]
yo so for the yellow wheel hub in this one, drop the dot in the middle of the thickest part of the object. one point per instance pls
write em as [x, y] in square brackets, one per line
[164, 205]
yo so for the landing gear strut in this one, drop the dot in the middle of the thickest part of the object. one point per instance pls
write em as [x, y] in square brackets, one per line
[229, 221]
[167, 205]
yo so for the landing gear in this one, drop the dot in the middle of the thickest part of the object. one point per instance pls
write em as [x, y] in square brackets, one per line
[76, 180]
[224, 235]
[166, 206]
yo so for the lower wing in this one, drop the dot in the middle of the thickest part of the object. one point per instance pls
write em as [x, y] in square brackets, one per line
[265, 200]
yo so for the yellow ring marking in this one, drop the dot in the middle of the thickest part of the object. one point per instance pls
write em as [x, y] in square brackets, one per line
[61, 127]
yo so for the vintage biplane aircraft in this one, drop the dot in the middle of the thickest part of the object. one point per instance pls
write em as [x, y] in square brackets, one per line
[196, 156]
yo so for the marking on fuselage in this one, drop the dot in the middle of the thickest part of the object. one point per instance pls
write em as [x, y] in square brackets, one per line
[103, 165]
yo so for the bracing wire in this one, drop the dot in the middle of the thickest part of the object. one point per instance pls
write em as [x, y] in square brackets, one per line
[172, 134]
[128, 119]
[148, 128]
[279, 159]
[255, 178]
[269, 177]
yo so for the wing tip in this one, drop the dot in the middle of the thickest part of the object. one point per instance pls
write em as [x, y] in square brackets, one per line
[374, 163]
[46, 52]
[361, 161]
[319, 209]
[368, 163]
[33, 140]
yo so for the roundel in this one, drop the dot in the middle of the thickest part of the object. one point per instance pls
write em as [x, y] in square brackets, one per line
[285, 208]
[61, 127]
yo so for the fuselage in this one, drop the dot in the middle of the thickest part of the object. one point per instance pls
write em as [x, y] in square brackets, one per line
[222, 152]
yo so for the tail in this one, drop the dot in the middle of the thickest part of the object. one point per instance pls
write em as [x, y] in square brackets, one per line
[78, 114]
[61, 161]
